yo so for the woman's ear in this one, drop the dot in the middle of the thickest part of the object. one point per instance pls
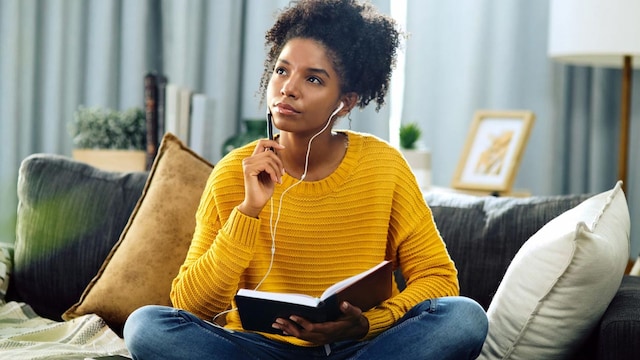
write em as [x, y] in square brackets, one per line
[350, 100]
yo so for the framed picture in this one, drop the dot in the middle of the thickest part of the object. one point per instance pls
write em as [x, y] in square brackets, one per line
[493, 150]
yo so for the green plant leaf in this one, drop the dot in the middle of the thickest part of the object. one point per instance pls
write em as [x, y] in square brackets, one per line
[103, 128]
[409, 134]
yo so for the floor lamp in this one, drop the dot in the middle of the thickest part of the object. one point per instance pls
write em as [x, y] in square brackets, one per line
[603, 33]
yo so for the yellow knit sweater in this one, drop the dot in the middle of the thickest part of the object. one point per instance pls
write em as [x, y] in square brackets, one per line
[368, 210]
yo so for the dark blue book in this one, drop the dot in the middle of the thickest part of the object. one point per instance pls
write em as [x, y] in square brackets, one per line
[259, 309]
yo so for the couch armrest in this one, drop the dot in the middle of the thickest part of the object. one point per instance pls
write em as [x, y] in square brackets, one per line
[620, 326]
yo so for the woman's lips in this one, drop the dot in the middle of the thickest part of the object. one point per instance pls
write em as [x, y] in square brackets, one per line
[286, 109]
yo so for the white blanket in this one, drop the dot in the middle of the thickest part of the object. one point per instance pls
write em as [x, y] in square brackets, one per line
[25, 335]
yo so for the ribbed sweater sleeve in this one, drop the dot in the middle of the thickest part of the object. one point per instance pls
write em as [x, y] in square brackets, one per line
[222, 244]
[368, 210]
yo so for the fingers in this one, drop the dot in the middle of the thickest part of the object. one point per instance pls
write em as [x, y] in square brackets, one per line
[287, 327]
[352, 325]
[262, 170]
[263, 160]
[264, 145]
[350, 310]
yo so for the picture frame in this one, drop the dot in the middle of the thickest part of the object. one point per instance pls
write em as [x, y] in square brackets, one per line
[493, 150]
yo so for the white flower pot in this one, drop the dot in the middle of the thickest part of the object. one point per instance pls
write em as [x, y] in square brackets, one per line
[420, 163]
[112, 160]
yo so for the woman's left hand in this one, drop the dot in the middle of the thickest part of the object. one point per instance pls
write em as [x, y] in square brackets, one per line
[351, 326]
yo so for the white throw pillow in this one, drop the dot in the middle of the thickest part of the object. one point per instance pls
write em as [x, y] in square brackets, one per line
[5, 270]
[561, 281]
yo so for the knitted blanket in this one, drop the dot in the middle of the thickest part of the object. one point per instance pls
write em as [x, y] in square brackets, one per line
[25, 335]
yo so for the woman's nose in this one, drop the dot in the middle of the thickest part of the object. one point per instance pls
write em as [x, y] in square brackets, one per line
[290, 88]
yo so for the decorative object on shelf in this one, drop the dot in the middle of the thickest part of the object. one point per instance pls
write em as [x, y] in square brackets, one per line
[493, 150]
[154, 96]
[409, 135]
[574, 39]
[109, 139]
[419, 159]
[635, 268]
[253, 129]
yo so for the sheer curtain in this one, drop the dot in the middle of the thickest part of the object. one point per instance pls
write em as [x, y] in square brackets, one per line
[201, 50]
[483, 54]
[478, 54]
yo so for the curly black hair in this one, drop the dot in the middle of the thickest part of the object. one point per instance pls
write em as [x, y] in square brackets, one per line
[361, 42]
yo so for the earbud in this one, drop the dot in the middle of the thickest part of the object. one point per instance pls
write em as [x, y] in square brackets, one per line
[337, 109]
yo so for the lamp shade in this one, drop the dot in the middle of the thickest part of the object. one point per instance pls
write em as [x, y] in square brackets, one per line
[594, 32]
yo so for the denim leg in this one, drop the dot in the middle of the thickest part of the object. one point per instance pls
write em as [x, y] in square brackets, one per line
[442, 328]
[160, 332]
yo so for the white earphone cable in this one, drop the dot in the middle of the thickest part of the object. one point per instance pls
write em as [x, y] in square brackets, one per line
[274, 226]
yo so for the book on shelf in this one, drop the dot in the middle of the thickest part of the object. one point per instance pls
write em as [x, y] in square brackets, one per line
[184, 114]
[151, 117]
[178, 111]
[171, 108]
[161, 81]
[258, 310]
[201, 132]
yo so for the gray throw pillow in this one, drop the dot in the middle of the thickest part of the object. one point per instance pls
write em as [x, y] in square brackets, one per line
[69, 217]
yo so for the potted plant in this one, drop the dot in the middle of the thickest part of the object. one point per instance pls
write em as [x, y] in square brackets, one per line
[109, 139]
[419, 159]
[253, 129]
[409, 135]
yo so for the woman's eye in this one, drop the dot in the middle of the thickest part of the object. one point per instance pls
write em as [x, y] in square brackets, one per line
[315, 80]
[280, 71]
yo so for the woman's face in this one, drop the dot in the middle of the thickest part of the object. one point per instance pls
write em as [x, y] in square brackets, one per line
[304, 88]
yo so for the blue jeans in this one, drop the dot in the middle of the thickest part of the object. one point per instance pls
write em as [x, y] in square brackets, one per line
[443, 328]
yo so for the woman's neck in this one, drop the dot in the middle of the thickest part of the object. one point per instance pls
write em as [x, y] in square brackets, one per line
[327, 152]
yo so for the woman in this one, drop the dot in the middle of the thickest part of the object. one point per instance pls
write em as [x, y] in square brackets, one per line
[311, 207]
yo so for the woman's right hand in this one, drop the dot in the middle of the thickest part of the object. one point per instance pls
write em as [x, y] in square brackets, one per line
[262, 170]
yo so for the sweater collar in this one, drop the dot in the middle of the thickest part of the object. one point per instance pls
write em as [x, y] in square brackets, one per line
[338, 177]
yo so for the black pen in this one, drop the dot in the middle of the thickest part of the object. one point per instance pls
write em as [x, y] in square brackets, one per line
[270, 127]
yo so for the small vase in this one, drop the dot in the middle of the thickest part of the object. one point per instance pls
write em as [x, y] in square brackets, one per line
[420, 163]
[254, 129]
[112, 160]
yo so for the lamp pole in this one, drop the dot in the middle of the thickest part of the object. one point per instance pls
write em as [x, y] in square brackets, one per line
[625, 114]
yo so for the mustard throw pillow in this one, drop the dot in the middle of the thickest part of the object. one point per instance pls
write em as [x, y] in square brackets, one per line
[141, 266]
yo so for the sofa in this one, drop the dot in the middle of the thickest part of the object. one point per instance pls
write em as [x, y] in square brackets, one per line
[91, 246]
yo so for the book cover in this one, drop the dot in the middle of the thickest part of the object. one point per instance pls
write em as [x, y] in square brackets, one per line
[201, 132]
[161, 80]
[151, 117]
[184, 114]
[259, 309]
[171, 108]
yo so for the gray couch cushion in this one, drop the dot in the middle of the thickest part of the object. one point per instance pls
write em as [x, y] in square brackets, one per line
[69, 217]
[483, 234]
[620, 330]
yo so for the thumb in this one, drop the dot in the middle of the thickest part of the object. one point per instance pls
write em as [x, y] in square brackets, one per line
[349, 309]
